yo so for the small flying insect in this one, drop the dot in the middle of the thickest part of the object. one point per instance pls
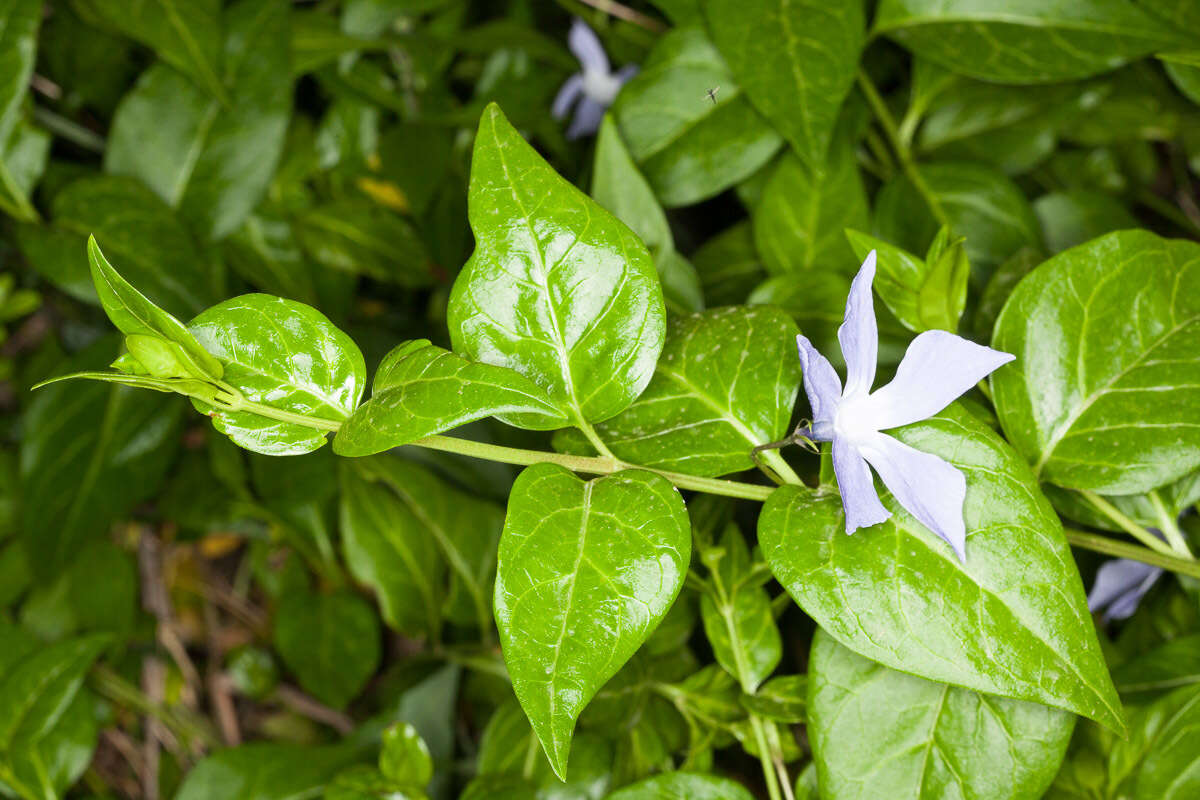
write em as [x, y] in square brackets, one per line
[712, 94]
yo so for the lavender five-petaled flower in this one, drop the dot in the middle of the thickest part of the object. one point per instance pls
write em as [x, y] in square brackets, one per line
[595, 86]
[937, 367]
[1120, 585]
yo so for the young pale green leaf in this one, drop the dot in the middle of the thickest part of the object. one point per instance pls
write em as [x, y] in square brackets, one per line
[1107, 364]
[158, 341]
[48, 766]
[557, 289]
[924, 294]
[285, 355]
[587, 570]
[872, 726]
[184, 33]
[795, 60]
[89, 455]
[979, 202]
[1012, 620]
[421, 389]
[330, 641]
[36, 690]
[688, 146]
[154, 249]
[404, 757]
[620, 187]
[798, 222]
[726, 382]
[736, 611]
[210, 159]
[1028, 41]
[683, 786]
[783, 699]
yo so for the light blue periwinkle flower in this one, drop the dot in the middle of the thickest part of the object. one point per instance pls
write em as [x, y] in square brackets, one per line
[937, 367]
[595, 86]
[1121, 584]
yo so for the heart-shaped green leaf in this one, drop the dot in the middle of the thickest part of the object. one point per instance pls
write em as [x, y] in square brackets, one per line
[421, 389]
[1033, 41]
[1107, 364]
[726, 382]
[795, 60]
[557, 289]
[872, 726]
[688, 146]
[586, 571]
[285, 355]
[1012, 620]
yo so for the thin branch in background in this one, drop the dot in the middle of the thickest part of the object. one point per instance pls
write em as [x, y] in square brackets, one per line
[306, 706]
[44, 86]
[626, 13]
[220, 692]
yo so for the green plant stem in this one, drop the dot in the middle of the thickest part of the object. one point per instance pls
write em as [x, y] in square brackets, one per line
[69, 129]
[189, 727]
[1114, 547]
[764, 758]
[781, 468]
[589, 432]
[1169, 527]
[1126, 524]
[903, 153]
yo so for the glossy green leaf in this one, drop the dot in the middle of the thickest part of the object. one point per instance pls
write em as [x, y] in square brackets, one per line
[729, 265]
[19, 20]
[36, 690]
[330, 641]
[999, 286]
[795, 60]
[265, 252]
[557, 289]
[1027, 41]
[620, 187]
[816, 300]
[872, 726]
[147, 328]
[924, 293]
[361, 782]
[285, 355]
[184, 33]
[143, 235]
[1011, 620]
[1072, 218]
[23, 157]
[687, 146]
[587, 570]
[421, 389]
[1107, 331]
[265, 771]
[90, 454]
[798, 223]
[726, 382]
[404, 757]
[683, 786]
[980, 203]
[1170, 666]
[212, 160]
[1163, 737]
[783, 699]
[737, 613]
[48, 766]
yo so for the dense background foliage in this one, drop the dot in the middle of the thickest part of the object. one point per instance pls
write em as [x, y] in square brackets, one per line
[180, 617]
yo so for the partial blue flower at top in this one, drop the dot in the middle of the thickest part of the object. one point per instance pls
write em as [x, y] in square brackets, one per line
[595, 86]
[1120, 585]
[937, 367]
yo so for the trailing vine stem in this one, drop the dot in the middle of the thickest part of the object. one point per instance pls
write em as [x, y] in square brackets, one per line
[604, 465]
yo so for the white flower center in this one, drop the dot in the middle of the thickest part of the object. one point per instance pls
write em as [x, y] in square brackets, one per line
[851, 420]
[600, 86]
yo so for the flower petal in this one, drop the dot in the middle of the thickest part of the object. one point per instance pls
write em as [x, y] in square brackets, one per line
[567, 96]
[858, 334]
[626, 73]
[937, 367]
[822, 386]
[860, 501]
[588, 115]
[585, 44]
[1120, 585]
[924, 485]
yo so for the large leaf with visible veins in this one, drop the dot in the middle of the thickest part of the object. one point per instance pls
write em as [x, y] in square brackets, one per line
[872, 726]
[1012, 620]
[586, 572]
[1105, 391]
[557, 289]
